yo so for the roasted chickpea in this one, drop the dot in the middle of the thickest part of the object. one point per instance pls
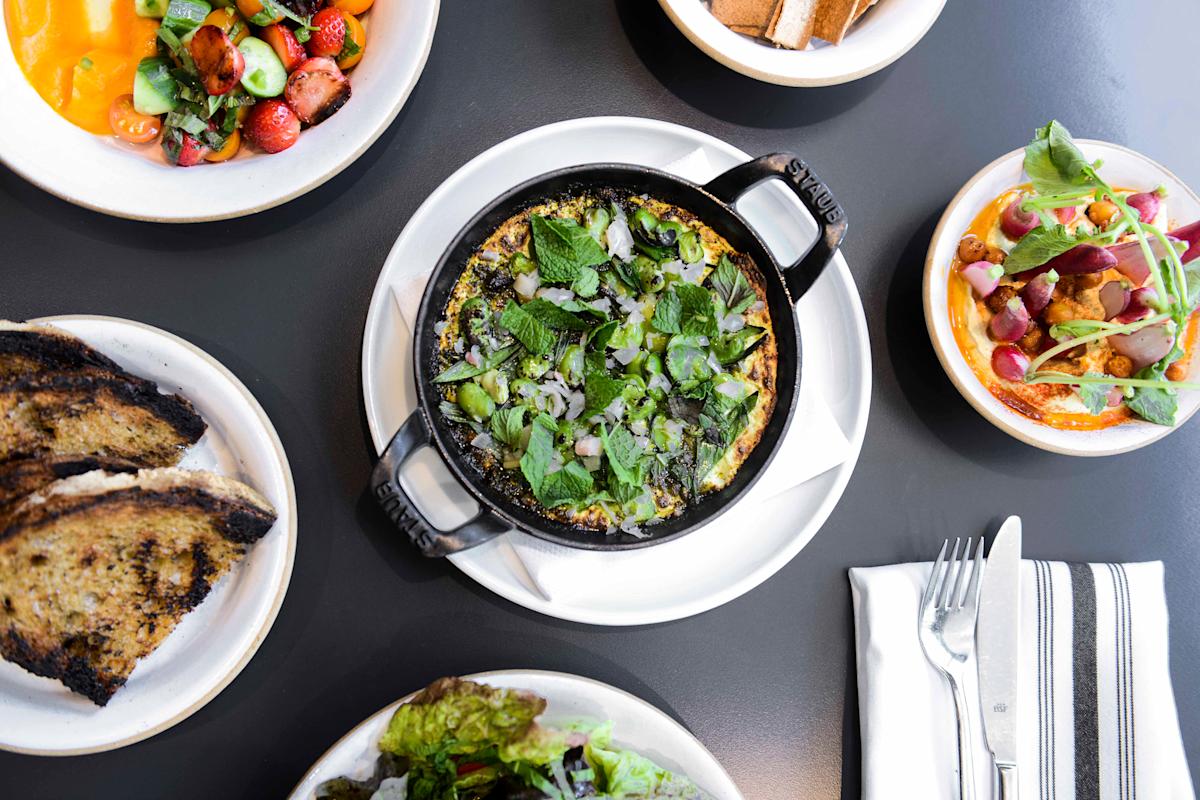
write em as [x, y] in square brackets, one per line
[1119, 366]
[997, 300]
[1101, 212]
[1089, 280]
[1031, 342]
[995, 255]
[1177, 371]
[971, 249]
[1057, 312]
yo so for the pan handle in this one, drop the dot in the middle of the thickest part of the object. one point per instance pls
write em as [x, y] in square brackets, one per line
[400, 508]
[812, 191]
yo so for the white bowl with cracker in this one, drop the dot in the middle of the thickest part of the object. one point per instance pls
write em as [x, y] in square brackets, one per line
[804, 42]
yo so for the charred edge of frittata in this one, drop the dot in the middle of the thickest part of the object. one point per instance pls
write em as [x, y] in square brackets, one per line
[173, 409]
[236, 520]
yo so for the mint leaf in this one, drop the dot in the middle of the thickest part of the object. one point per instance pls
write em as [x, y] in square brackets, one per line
[563, 248]
[623, 454]
[1095, 395]
[461, 370]
[1053, 162]
[707, 456]
[732, 287]
[507, 424]
[732, 347]
[553, 316]
[626, 274]
[668, 312]
[599, 390]
[1154, 405]
[571, 484]
[586, 283]
[687, 359]
[699, 315]
[539, 452]
[1039, 246]
[1192, 272]
[528, 330]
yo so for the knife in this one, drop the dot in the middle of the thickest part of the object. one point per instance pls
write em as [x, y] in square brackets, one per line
[997, 648]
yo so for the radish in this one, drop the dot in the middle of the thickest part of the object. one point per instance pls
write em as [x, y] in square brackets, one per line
[983, 276]
[1010, 363]
[1114, 296]
[1015, 222]
[1037, 292]
[1146, 204]
[1011, 323]
[1079, 260]
[1141, 301]
[1145, 346]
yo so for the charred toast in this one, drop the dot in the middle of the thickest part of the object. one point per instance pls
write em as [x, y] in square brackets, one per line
[97, 569]
[28, 348]
[23, 476]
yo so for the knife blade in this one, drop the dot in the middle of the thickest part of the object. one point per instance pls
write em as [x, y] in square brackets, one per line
[997, 646]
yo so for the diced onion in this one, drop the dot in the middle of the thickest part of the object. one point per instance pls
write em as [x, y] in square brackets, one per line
[626, 355]
[556, 295]
[619, 238]
[588, 446]
[473, 357]
[526, 284]
[556, 463]
[659, 381]
[731, 389]
[440, 327]
[642, 441]
[639, 427]
[629, 525]
[603, 304]
[732, 323]
[575, 404]
[490, 255]
[458, 346]
[526, 390]
[483, 441]
[591, 463]
[616, 409]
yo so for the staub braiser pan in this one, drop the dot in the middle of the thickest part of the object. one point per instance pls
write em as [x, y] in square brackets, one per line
[714, 204]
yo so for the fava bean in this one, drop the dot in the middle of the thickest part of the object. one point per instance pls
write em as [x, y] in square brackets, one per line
[474, 401]
[495, 383]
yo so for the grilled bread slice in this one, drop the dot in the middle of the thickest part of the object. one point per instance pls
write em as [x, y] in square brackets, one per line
[27, 348]
[94, 412]
[97, 569]
[24, 476]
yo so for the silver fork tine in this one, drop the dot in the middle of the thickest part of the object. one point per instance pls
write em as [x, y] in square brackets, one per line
[934, 583]
[956, 597]
[944, 595]
[973, 588]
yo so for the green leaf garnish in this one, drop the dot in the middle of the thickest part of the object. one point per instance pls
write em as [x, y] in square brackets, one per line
[1095, 395]
[1041, 245]
[698, 313]
[530, 331]
[668, 313]
[462, 370]
[732, 287]
[586, 283]
[623, 454]
[1053, 162]
[540, 451]
[563, 248]
[733, 347]
[507, 424]
[571, 484]
[553, 316]
[599, 390]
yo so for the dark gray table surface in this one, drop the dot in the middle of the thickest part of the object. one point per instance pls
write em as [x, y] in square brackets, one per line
[766, 682]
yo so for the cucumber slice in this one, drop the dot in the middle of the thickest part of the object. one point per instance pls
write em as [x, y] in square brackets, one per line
[154, 90]
[264, 75]
[150, 8]
[184, 16]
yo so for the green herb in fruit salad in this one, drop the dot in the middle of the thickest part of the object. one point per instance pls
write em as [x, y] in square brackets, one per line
[460, 740]
[607, 360]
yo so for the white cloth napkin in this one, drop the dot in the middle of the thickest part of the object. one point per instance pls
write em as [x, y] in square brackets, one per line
[812, 445]
[1096, 715]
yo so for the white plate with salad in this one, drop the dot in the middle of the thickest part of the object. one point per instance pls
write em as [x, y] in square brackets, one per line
[1060, 294]
[517, 733]
[262, 100]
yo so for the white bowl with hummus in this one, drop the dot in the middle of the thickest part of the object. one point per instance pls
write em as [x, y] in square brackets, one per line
[961, 339]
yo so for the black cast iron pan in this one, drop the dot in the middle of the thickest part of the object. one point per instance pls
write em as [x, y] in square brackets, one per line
[714, 204]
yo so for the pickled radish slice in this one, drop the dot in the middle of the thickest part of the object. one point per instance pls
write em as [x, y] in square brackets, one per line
[1037, 292]
[1010, 363]
[1011, 323]
[1114, 296]
[1015, 222]
[983, 276]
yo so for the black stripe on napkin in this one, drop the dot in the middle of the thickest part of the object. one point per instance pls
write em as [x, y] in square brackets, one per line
[1083, 663]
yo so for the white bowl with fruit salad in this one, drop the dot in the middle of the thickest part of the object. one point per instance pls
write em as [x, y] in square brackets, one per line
[1061, 290]
[261, 102]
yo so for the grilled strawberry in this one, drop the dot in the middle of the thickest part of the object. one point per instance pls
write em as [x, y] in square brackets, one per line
[284, 43]
[271, 126]
[331, 33]
[316, 90]
[218, 60]
[181, 148]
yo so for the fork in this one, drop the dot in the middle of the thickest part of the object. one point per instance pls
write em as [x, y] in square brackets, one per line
[947, 633]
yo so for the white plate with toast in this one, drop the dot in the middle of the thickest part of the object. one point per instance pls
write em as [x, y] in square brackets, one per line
[213, 642]
[873, 34]
[637, 725]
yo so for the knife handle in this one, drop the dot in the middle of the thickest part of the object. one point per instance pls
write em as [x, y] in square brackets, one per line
[1006, 781]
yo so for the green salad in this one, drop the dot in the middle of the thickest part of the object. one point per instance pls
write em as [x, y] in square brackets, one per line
[460, 740]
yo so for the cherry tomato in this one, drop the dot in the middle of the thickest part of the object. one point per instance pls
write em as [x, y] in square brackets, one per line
[128, 124]
[230, 21]
[229, 150]
[352, 6]
[251, 7]
[355, 33]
